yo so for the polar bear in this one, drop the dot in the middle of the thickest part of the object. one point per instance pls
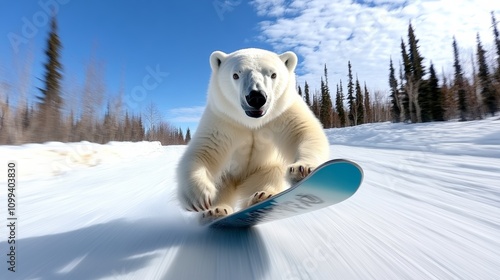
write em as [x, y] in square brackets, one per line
[255, 138]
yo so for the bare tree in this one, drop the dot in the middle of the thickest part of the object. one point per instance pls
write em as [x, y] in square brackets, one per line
[71, 109]
[92, 99]
[152, 117]
[113, 118]
[378, 107]
[24, 66]
[473, 92]
[5, 115]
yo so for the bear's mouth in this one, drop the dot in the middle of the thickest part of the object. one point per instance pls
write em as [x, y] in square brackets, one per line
[255, 113]
[254, 104]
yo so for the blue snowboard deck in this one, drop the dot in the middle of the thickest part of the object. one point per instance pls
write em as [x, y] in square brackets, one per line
[332, 182]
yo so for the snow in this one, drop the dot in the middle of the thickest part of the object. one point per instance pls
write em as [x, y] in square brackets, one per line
[429, 208]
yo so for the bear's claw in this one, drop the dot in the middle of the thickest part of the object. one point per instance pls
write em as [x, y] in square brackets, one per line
[215, 213]
[297, 172]
[259, 197]
[206, 204]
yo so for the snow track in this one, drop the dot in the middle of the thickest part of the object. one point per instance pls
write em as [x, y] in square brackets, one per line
[429, 208]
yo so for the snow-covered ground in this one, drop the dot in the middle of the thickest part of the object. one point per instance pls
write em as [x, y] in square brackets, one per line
[429, 208]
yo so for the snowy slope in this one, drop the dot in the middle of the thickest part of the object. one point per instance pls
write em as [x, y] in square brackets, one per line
[429, 208]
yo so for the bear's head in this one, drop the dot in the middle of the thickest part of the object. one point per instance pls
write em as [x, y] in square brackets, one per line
[252, 86]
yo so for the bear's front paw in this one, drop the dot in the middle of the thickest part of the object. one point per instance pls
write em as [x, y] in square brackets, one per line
[197, 201]
[259, 197]
[216, 213]
[298, 171]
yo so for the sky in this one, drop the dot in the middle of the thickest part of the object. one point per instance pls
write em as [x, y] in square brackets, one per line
[158, 51]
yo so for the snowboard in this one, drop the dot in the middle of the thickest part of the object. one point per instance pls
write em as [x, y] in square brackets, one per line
[332, 182]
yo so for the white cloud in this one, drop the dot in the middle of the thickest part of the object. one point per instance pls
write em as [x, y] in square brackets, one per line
[185, 114]
[270, 7]
[369, 32]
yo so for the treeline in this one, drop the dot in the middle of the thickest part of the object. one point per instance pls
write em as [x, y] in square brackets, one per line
[79, 116]
[356, 106]
[416, 93]
[419, 96]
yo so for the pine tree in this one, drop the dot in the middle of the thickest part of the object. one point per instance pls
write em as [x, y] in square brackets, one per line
[368, 106]
[395, 102]
[360, 114]
[496, 35]
[322, 112]
[425, 102]
[49, 119]
[188, 136]
[407, 84]
[416, 60]
[180, 137]
[339, 104]
[326, 103]
[316, 105]
[475, 105]
[406, 61]
[350, 96]
[306, 94]
[27, 118]
[137, 129]
[107, 125]
[127, 128]
[140, 127]
[437, 100]
[415, 82]
[403, 96]
[487, 89]
[299, 90]
[459, 83]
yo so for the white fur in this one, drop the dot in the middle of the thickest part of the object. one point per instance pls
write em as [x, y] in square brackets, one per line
[232, 155]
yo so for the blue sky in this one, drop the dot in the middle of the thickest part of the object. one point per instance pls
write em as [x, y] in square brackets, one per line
[175, 38]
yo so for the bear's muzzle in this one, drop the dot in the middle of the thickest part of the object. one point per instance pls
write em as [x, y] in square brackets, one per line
[256, 99]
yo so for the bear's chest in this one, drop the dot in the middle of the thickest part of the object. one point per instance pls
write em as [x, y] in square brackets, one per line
[256, 149]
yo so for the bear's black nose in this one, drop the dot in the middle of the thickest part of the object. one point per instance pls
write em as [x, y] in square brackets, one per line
[256, 99]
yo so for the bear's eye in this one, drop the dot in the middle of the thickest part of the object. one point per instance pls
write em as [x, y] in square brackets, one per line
[273, 76]
[235, 76]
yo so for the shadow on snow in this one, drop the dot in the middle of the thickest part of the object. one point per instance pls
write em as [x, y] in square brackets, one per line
[120, 247]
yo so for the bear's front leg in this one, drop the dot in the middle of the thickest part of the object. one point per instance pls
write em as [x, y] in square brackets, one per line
[308, 141]
[222, 205]
[200, 167]
[196, 192]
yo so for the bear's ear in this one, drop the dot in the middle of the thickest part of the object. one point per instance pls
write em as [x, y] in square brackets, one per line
[290, 59]
[216, 59]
